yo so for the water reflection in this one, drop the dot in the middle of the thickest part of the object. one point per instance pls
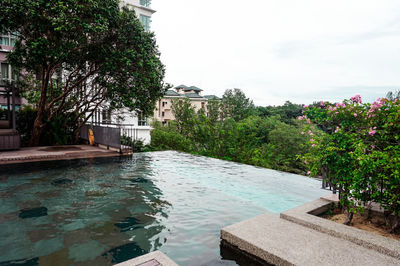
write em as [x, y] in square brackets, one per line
[100, 213]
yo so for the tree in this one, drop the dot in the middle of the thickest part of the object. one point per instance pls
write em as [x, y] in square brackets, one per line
[78, 55]
[184, 114]
[287, 112]
[236, 105]
[214, 110]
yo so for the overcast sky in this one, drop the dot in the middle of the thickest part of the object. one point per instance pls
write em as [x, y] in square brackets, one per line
[278, 50]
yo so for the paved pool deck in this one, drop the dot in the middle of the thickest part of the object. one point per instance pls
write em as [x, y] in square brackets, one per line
[297, 237]
[51, 153]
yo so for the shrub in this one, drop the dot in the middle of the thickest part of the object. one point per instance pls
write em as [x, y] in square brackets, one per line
[360, 156]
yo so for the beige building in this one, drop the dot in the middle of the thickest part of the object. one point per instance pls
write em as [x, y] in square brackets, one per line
[163, 112]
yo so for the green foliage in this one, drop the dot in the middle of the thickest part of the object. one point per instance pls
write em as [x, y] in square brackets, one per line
[168, 138]
[236, 105]
[77, 55]
[25, 118]
[252, 140]
[359, 155]
[136, 144]
[286, 112]
[184, 114]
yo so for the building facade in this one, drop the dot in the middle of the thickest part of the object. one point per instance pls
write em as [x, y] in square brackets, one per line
[125, 118]
[143, 11]
[163, 111]
[7, 73]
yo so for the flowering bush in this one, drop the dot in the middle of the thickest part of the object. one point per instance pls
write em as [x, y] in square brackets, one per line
[359, 154]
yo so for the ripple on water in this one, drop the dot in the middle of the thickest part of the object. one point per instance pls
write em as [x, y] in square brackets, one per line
[115, 209]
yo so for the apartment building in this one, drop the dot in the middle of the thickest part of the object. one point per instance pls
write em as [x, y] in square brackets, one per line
[163, 112]
[7, 74]
[143, 11]
[125, 118]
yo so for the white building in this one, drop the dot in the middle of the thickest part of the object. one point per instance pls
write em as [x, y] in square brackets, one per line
[143, 11]
[125, 118]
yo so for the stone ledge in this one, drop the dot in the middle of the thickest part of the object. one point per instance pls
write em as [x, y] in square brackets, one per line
[305, 215]
[281, 242]
[151, 258]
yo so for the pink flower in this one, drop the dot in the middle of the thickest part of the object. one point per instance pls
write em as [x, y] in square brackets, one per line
[310, 133]
[322, 103]
[309, 121]
[355, 114]
[372, 131]
[336, 112]
[313, 145]
[356, 99]
[312, 140]
[302, 132]
[305, 106]
[308, 173]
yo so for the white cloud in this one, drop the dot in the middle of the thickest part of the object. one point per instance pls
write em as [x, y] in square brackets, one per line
[281, 50]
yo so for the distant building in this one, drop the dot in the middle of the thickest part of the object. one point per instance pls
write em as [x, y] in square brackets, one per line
[163, 112]
[143, 11]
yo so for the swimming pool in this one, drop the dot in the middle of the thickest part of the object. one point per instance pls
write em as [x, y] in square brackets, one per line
[109, 210]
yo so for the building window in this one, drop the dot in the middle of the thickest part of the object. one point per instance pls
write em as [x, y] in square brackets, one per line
[164, 104]
[162, 114]
[145, 3]
[145, 22]
[142, 120]
[7, 73]
[8, 39]
[106, 115]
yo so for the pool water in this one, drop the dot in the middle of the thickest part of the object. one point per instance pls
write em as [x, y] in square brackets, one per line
[102, 212]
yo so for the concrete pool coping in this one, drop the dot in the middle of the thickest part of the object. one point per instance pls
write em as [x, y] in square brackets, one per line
[306, 215]
[53, 153]
[155, 258]
[280, 241]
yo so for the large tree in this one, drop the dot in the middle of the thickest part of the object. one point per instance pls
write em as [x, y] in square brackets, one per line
[76, 55]
[236, 105]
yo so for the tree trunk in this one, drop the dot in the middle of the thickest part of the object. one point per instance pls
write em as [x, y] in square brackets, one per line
[39, 124]
[349, 217]
[395, 224]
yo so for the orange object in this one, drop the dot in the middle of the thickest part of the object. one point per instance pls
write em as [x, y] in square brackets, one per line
[91, 137]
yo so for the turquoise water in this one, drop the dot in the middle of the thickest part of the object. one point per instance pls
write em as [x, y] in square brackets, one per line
[107, 211]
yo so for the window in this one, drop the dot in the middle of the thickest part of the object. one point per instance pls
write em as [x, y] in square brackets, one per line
[106, 115]
[164, 104]
[145, 3]
[145, 22]
[8, 39]
[142, 120]
[162, 114]
[5, 73]
[5, 40]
